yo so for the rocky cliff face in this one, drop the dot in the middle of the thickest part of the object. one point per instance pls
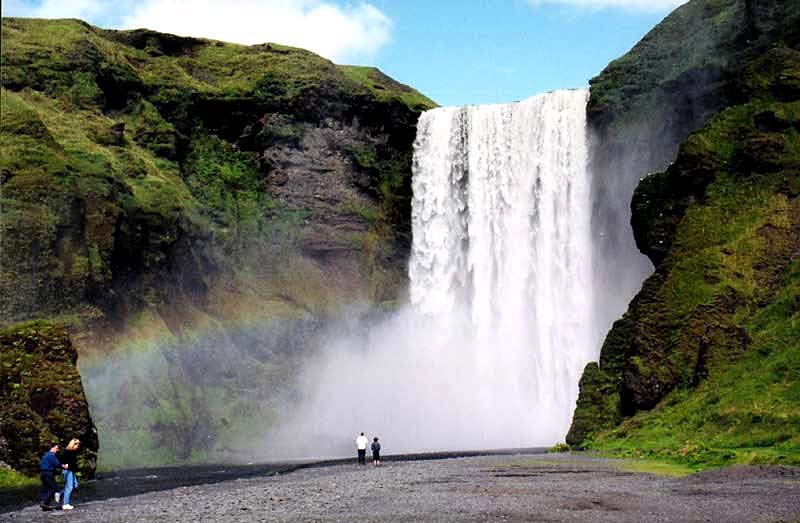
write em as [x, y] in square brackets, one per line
[704, 364]
[196, 212]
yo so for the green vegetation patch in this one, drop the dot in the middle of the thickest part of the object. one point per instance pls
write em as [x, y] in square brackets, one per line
[658, 468]
[16, 488]
[10, 479]
[385, 88]
[229, 187]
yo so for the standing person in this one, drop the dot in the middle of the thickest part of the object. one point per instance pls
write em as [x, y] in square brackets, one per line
[47, 469]
[69, 459]
[376, 452]
[361, 447]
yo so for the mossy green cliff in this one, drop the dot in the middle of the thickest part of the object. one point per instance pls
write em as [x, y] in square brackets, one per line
[186, 206]
[704, 366]
[646, 103]
[43, 397]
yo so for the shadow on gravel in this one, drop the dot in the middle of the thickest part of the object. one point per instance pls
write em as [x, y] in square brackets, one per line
[125, 483]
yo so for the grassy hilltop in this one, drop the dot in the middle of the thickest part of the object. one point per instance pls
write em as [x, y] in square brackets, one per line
[149, 138]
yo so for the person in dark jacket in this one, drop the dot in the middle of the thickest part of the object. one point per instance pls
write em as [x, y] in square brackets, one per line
[69, 459]
[47, 469]
[376, 452]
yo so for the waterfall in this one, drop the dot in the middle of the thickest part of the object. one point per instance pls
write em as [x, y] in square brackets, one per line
[501, 241]
[489, 352]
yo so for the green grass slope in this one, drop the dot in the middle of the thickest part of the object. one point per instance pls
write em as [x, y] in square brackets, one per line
[704, 368]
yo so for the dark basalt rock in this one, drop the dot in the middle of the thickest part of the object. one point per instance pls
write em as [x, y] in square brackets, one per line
[155, 43]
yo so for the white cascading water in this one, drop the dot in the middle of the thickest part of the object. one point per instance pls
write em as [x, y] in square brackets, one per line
[490, 351]
[501, 216]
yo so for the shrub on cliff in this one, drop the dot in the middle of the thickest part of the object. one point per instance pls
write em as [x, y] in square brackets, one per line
[42, 397]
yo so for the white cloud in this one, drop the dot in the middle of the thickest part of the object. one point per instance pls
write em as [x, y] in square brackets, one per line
[338, 33]
[349, 32]
[640, 5]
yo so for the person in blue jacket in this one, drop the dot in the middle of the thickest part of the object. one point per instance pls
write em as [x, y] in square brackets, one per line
[47, 469]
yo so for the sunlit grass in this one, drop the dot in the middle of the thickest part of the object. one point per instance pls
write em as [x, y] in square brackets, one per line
[659, 468]
[10, 479]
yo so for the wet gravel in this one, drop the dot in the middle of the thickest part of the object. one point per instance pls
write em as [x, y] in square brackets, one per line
[484, 488]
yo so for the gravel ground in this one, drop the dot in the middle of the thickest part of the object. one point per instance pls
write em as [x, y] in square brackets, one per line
[503, 488]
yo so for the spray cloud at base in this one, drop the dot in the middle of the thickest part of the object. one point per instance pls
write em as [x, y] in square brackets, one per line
[489, 352]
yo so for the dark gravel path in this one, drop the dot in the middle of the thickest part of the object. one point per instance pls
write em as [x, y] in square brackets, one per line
[131, 482]
[483, 488]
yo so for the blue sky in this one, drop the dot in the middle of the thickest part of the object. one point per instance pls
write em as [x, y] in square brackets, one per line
[487, 52]
[456, 52]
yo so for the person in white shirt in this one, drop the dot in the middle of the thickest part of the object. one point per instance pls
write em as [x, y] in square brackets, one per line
[361, 447]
